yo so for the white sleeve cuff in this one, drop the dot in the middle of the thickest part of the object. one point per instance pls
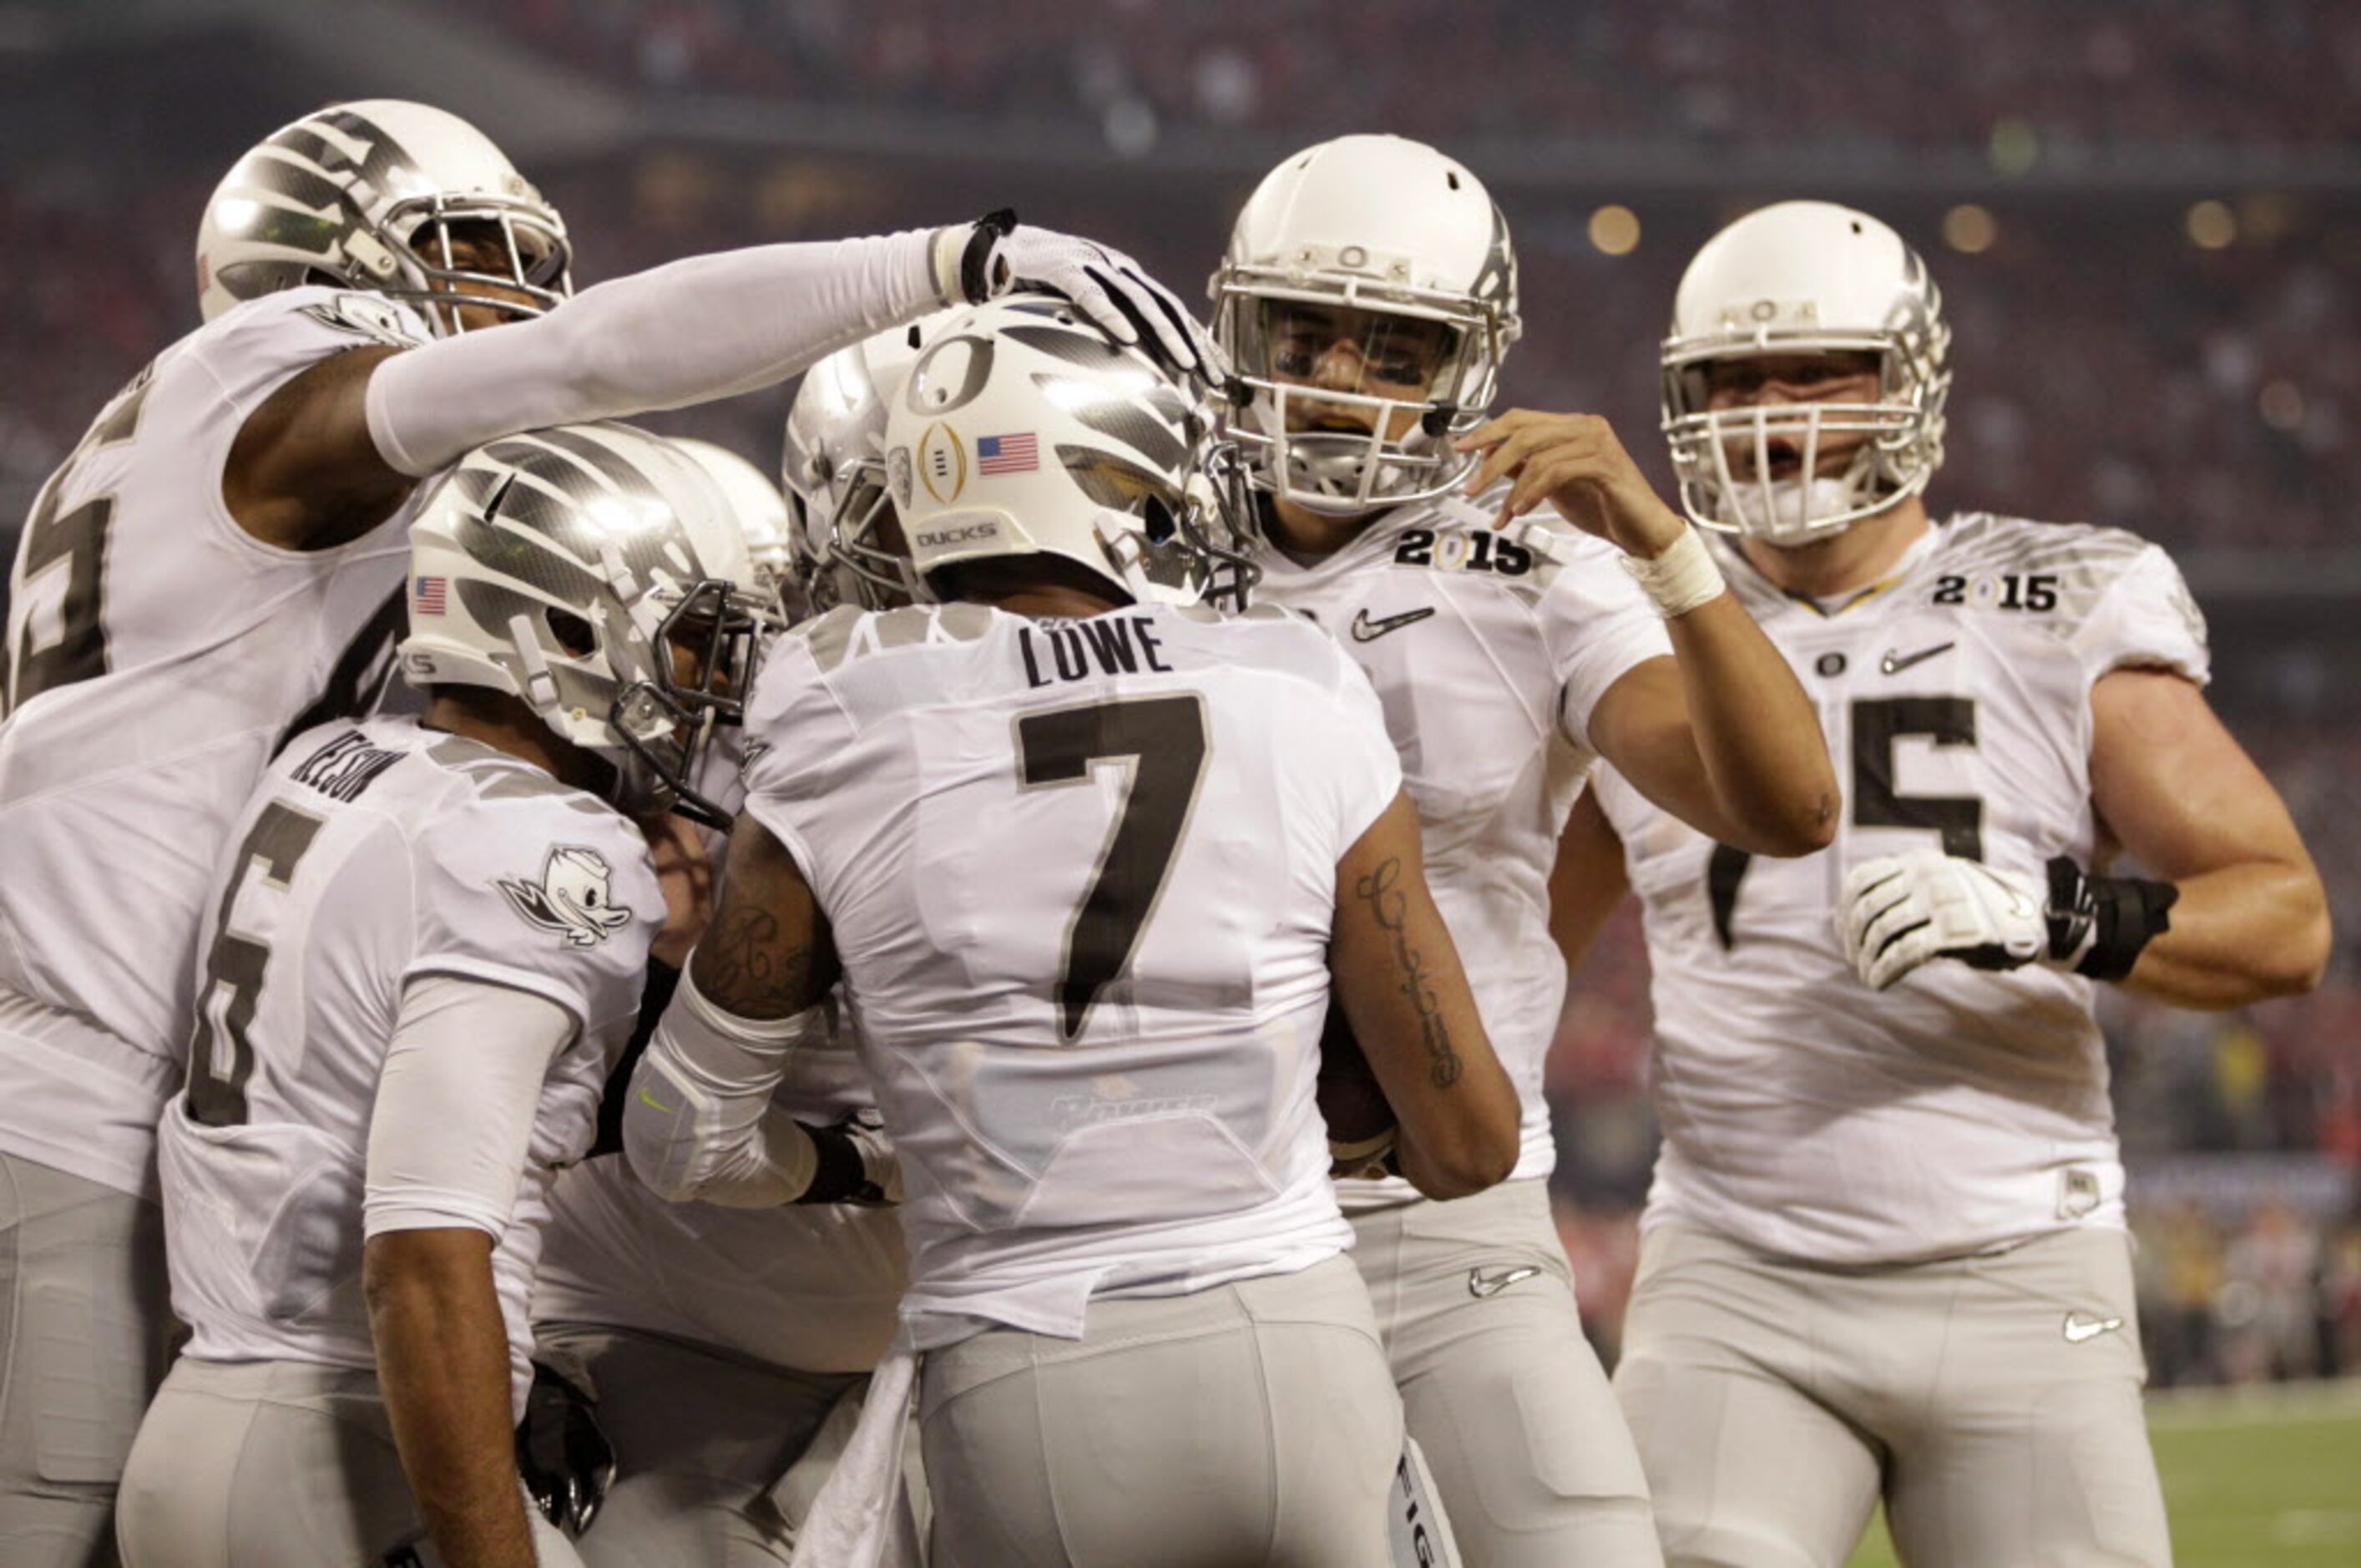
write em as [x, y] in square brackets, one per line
[456, 1099]
[699, 1121]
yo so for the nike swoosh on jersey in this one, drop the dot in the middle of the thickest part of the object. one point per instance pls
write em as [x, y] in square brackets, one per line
[1894, 663]
[1483, 1282]
[2081, 1326]
[1367, 631]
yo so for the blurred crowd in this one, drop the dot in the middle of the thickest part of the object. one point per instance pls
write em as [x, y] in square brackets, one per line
[2106, 368]
[2158, 74]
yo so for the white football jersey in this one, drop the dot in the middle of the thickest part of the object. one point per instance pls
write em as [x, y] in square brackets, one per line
[374, 854]
[814, 1287]
[1804, 1114]
[1487, 661]
[156, 655]
[1082, 875]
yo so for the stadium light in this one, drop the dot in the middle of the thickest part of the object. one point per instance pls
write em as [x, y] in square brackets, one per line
[2211, 225]
[1615, 229]
[1970, 229]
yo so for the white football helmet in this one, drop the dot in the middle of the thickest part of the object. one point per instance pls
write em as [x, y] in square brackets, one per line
[1391, 227]
[562, 567]
[842, 525]
[1805, 278]
[1023, 430]
[761, 512]
[367, 194]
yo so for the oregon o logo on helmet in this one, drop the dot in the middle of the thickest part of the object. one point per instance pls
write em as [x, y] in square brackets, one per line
[941, 462]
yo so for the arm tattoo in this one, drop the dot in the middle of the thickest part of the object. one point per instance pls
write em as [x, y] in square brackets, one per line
[1390, 907]
[745, 967]
[767, 953]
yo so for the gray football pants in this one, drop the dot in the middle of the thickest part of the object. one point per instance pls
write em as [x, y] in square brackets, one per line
[1994, 1401]
[702, 1439]
[85, 1331]
[275, 1465]
[1528, 1448]
[1245, 1426]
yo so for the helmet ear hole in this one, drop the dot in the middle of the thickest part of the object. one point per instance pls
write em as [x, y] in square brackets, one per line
[572, 633]
[1160, 523]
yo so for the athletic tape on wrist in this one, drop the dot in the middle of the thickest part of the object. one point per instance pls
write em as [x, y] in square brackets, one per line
[2099, 925]
[1680, 579]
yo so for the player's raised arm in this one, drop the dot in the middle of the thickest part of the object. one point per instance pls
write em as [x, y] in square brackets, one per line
[1721, 735]
[1398, 979]
[332, 451]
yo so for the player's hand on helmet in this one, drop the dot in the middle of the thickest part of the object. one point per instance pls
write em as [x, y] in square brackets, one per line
[1002, 255]
[1899, 911]
[564, 1461]
[1577, 464]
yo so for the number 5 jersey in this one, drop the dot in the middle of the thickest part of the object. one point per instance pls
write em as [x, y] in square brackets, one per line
[1811, 1117]
[156, 655]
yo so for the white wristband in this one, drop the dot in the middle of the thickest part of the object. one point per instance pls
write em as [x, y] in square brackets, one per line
[948, 250]
[1680, 579]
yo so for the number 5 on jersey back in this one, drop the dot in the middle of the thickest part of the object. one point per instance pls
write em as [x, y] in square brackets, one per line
[1162, 740]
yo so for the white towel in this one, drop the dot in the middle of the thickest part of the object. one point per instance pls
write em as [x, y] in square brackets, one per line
[862, 1518]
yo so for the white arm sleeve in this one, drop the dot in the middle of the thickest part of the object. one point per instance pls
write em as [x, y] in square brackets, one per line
[701, 1124]
[707, 327]
[456, 1103]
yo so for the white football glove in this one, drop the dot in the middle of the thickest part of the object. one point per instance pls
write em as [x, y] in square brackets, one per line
[1898, 912]
[999, 255]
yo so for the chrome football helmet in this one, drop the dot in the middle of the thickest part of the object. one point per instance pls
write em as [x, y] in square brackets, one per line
[1023, 430]
[1391, 240]
[761, 512]
[566, 568]
[372, 195]
[1805, 278]
[842, 527]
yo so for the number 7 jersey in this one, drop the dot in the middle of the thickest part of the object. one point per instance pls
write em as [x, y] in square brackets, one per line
[1804, 1114]
[1082, 875]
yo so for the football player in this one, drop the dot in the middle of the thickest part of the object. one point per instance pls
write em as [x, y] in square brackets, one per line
[419, 965]
[1086, 857]
[1885, 1251]
[720, 1342]
[1368, 297]
[217, 567]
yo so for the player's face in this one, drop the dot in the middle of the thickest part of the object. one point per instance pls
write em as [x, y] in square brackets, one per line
[481, 248]
[1373, 352]
[1776, 379]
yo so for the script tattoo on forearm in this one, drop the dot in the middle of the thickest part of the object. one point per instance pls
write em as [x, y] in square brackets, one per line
[1390, 907]
[743, 965]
